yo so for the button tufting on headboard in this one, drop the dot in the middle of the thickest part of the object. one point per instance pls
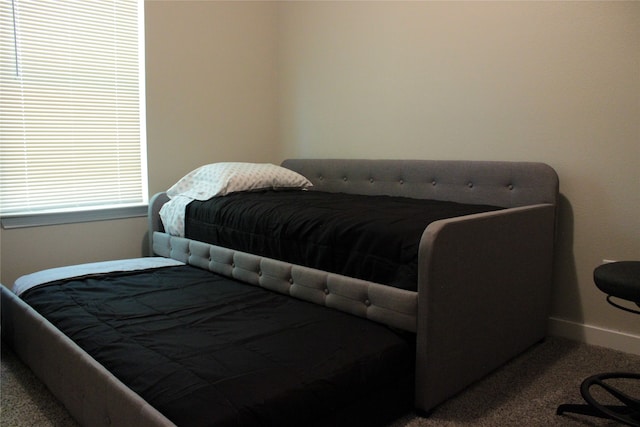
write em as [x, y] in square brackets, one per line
[435, 179]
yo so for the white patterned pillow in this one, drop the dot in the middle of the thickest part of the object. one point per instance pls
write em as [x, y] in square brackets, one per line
[218, 179]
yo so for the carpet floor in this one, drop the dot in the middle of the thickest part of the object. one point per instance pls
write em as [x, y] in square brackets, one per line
[525, 392]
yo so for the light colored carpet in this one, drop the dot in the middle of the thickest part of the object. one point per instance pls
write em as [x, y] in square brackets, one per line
[528, 390]
[525, 392]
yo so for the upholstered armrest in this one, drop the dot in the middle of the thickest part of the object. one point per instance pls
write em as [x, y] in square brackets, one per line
[483, 295]
[153, 218]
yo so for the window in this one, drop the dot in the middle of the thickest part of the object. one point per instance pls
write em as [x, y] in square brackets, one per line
[72, 122]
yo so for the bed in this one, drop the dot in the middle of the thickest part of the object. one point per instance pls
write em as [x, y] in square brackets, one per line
[468, 294]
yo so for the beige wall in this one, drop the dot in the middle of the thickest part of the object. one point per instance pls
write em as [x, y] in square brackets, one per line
[211, 85]
[557, 82]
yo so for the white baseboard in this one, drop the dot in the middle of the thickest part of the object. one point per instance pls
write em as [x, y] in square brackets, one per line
[594, 335]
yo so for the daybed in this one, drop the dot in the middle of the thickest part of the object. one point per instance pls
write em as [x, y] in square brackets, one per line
[481, 293]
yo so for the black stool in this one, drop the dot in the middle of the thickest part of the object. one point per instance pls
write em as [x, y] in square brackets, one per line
[620, 280]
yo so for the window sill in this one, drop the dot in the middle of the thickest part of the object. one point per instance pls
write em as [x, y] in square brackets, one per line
[72, 217]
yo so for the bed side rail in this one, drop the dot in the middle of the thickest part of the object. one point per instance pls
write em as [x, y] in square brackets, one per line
[380, 303]
[484, 291]
[92, 395]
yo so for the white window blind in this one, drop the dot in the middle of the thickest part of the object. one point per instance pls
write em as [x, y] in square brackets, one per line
[72, 133]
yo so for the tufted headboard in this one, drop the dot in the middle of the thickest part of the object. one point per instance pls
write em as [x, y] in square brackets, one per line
[498, 183]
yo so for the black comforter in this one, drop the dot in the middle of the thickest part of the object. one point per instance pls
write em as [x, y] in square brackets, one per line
[210, 351]
[372, 238]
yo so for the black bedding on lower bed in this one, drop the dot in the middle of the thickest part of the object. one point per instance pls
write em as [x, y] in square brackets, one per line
[206, 350]
[373, 238]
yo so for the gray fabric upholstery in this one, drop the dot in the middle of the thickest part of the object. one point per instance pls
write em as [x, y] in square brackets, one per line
[506, 184]
[483, 296]
[483, 290]
[380, 303]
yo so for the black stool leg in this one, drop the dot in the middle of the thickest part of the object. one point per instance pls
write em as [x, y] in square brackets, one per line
[628, 413]
[583, 409]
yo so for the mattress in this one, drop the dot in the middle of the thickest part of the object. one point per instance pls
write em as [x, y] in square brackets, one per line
[207, 350]
[372, 238]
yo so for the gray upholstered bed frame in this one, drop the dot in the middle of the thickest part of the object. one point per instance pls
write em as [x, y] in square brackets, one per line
[483, 291]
